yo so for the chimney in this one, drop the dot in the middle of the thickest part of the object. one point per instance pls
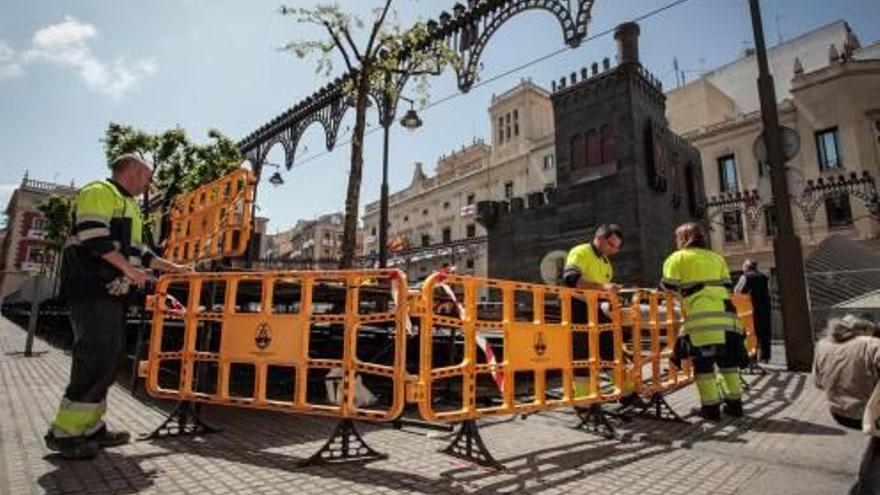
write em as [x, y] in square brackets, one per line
[627, 36]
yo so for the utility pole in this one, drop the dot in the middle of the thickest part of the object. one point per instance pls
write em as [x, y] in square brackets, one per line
[786, 245]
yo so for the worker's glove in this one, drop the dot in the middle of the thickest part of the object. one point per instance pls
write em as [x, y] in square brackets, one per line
[119, 286]
[681, 351]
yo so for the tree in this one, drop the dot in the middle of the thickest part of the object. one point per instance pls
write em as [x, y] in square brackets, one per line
[179, 165]
[56, 211]
[381, 65]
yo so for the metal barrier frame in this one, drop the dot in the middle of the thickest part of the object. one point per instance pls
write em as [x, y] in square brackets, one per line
[469, 324]
[205, 221]
[297, 341]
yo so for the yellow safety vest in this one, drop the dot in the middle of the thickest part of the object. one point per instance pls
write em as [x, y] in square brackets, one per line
[702, 278]
[589, 264]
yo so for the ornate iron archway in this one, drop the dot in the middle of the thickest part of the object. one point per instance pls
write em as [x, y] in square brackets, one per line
[467, 30]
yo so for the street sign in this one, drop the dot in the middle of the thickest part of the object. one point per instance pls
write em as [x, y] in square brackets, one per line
[791, 144]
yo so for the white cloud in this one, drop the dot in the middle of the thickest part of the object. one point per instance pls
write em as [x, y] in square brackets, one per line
[6, 191]
[66, 44]
[10, 67]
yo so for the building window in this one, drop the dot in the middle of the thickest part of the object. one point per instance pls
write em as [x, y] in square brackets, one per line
[508, 189]
[838, 210]
[446, 205]
[507, 126]
[771, 228]
[578, 153]
[516, 123]
[828, 150]
[406, 218]
[373, 231]
[471, 198]
[727, 174]
[470, 263]
[594, 155]
[426, 240]
[424, 212]
[326, 236]
[733, 226]
[447, 235]
[608, 150]
[36, 255]
[548, 162]
[38, 223]
[471, 230]
[500, 130]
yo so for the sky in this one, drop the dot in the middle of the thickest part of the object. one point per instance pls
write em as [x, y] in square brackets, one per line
[68, 68]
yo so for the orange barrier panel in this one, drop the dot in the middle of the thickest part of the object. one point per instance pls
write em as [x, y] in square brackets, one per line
[212, 221]
[655, 328]
[743, 304]
[286, 340]
[520, 350]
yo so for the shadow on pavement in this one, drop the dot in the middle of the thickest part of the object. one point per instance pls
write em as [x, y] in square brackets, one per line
[108, 473]
[548, 468]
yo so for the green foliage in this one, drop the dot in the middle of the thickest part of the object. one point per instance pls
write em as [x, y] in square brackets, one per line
[56, 211]
[179, 164]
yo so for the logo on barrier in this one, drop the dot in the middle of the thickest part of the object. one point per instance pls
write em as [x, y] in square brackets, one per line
[540, 345]
[263, 336]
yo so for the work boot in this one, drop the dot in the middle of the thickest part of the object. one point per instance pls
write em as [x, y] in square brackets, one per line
[733, 408]
[74, 448]
[709, 413]
[106, 438]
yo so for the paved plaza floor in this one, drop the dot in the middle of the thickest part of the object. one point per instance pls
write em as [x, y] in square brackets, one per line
[787, 444]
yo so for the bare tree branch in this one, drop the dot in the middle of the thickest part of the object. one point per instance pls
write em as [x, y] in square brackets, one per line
[354, 47]
[338, 44]
[377, 26]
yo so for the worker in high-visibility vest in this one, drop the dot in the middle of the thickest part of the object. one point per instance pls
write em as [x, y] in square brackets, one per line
[588, 266]
[712, 335]
[104, 256]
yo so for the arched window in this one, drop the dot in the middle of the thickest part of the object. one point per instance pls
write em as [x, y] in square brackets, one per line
[594, 154]
[696, 194]
[655, 159]
[609, 151]
[578, 157]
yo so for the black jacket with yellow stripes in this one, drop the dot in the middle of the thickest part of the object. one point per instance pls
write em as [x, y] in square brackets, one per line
[105, 218]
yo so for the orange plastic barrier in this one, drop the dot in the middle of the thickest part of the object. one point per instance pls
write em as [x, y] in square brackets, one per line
[655, 325]
[743, 304]
[520, 349]
[287, 340]
[212, 221]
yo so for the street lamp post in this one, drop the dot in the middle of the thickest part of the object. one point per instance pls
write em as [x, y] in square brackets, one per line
[786, 245]
[276, 180]
[410, 121]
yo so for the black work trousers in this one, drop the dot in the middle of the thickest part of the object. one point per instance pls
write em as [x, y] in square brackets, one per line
[98, 345]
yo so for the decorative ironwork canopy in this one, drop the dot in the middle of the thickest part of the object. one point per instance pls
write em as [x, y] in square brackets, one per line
[750, 203]
[467, 30]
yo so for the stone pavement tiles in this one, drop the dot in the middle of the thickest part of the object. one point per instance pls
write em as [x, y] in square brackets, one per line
[786, 444]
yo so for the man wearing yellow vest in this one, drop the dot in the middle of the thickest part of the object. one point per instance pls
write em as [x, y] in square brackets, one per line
[588, 266]
[103, 257]
[712, 334]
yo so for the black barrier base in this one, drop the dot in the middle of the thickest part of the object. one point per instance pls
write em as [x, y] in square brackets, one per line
[345, 445]
[468, 445]
[185, 420]
[595, 420]
[659, 408]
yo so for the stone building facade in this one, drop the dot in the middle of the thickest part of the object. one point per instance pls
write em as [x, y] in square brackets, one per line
[617, 163]
[315, 244]
[433, 221]
[23, 252]
[828, 90]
